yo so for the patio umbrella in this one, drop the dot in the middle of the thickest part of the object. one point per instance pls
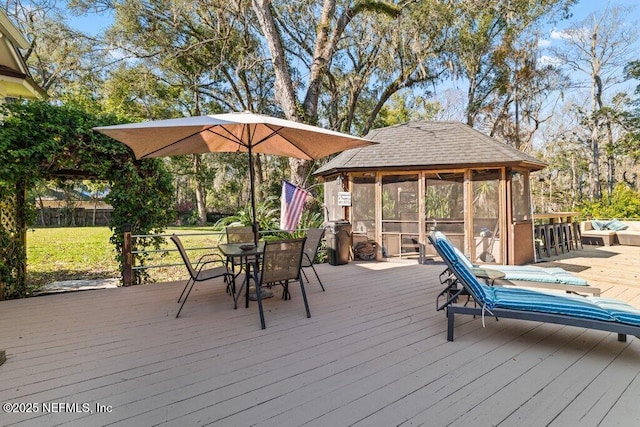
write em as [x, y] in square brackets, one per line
[232, 132]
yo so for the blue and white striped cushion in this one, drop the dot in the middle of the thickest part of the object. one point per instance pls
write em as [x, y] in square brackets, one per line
[523, 273]
[570, 305]
[482, 293]
[565, 277]
[621, 311]
[530, 273]
[463, 258]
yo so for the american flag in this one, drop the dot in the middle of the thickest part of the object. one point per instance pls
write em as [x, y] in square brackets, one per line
[291, 205]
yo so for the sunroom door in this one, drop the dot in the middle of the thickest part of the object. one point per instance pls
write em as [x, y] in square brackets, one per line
[444, 207]
[400, 224]
[487, 216]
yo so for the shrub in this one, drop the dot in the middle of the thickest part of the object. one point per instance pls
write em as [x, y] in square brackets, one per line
[622, 203]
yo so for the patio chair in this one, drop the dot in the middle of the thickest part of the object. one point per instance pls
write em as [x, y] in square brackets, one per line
[238, 234]
[281, 261]
[527, 304]
[536, 277]
[311, 246]
[197, 273]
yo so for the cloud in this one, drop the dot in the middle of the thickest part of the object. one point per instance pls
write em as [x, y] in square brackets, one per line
[544, 43]
[559, 35]
[550, 60]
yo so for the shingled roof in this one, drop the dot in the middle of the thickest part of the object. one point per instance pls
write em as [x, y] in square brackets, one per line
[423, 145]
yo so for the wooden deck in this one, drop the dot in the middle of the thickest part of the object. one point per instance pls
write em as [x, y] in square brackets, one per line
[374, 353]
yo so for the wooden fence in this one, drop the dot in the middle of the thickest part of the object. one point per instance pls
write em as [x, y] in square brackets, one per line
[78, 217]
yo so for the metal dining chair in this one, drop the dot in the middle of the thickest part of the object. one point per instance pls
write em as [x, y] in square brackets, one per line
[197, 273]
[238, 234]
[281, 264]
[311, 246]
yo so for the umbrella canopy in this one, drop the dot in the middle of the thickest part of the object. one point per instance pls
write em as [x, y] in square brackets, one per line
[231, 132]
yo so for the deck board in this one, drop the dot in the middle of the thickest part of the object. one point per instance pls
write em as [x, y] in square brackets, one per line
[374, 352]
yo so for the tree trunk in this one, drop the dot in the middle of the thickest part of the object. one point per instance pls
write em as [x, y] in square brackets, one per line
[321, 57]
[596, 106]
[471, 95]
[201, 196]
[42, 217]
[284, 91]
[259, 177]
[324, 48]
[594, 172]
[611, 160]
[95, 209]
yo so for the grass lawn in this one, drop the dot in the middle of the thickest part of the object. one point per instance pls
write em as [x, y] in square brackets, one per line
[73, 253]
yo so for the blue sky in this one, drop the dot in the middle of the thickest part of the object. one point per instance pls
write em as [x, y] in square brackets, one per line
[92, 23]
[585, 7]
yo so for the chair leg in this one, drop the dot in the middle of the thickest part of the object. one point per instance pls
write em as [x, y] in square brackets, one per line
[184, 289]
[286, 295]
[304, 297]
[577, 236]
[258, 292]
[185, 298]
[317, 277]
[553, 238]
[260, 309]
[236, 296]
[230, 280]
[304, 274]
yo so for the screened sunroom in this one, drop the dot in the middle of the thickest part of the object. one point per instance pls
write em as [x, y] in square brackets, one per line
[425, 176]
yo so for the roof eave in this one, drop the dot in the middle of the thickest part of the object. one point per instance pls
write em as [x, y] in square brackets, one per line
[531, 166]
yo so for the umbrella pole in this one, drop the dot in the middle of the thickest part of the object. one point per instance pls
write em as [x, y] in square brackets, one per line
[254, 224]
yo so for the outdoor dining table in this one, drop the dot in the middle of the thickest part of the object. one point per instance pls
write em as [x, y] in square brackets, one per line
[247, 254]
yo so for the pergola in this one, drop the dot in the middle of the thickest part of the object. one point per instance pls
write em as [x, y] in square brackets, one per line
[430, 175]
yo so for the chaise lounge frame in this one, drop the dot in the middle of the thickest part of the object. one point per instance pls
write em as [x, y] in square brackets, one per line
[452, 309]
[620, 328]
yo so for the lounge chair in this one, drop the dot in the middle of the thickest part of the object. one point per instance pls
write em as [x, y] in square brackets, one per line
[527, 304]
[537, 277]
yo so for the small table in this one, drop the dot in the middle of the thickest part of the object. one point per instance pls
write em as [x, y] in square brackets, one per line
[488, 275]
[248, 257]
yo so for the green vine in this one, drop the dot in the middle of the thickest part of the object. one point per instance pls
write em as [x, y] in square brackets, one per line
[40, 141]
[12, 258]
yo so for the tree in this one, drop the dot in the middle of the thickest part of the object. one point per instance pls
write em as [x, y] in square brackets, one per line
[206, 54]
[381, 58]
[629, 143]
[488, 41]
[598, 48]
[61, 60]
[314, 50]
